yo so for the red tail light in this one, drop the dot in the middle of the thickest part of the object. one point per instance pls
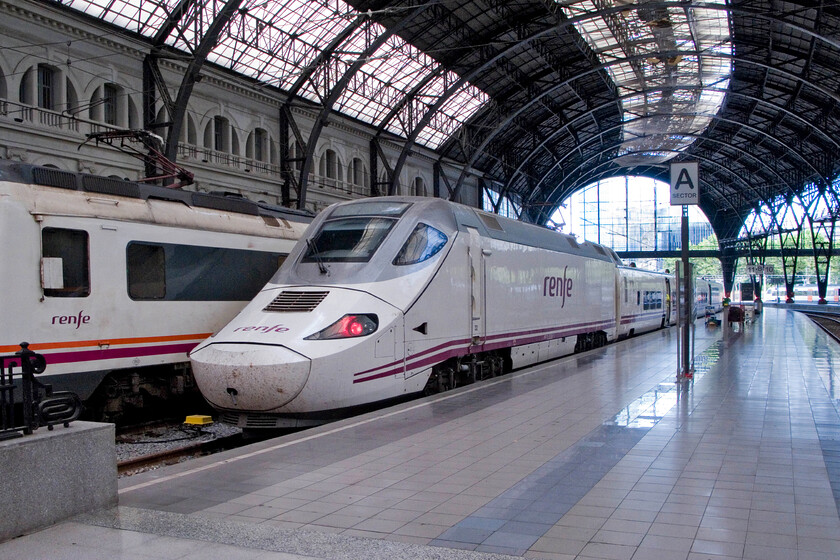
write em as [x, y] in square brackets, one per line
[349, 326]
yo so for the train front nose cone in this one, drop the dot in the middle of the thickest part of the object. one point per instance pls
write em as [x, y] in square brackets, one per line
[249, 377]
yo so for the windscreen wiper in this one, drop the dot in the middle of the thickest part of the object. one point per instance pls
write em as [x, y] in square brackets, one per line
[313, 249]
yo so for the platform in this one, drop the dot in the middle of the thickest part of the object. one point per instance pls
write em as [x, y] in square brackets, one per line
[599, 455]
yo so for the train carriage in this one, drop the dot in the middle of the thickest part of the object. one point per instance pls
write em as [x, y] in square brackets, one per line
[397, 295]
[114, 281]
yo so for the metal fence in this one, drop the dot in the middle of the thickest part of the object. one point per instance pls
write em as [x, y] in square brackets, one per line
[27, 404]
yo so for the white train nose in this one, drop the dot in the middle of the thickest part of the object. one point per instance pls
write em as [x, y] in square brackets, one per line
[249, 376]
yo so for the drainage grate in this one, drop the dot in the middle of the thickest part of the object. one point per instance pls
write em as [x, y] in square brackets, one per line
[300, 302]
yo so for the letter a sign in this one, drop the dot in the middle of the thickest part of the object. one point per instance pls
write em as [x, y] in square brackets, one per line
[685, 186]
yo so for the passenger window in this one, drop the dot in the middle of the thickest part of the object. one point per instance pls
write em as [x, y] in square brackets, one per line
[67, 250]
[171, 272]
[423, 243]
[146, 271]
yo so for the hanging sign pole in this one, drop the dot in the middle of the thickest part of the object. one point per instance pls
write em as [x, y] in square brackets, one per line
[685, 190]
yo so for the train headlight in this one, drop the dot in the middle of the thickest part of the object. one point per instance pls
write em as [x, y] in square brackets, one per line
[349, 326]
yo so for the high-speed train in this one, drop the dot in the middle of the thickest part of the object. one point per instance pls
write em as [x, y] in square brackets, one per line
[394, 296]
[114, 281]
[708, 296]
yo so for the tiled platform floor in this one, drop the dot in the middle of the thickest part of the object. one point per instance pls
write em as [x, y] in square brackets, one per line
[594, 456]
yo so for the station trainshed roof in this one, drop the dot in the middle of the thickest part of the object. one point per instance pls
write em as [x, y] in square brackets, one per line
[543, 97]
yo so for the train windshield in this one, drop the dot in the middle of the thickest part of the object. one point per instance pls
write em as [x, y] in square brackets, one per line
[352, 239]
[423, 243]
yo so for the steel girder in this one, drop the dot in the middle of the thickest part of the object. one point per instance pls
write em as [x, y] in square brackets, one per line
[781, 104]
[518, 170]
[822, 174]
[192, 15]
[781, 22]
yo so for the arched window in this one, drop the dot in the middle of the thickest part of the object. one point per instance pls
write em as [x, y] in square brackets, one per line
[188, 132]
[4, 96]
[419, 187]
[46, 88]
[109, 105]
[221, 141]
[110, 97]
[358, 176]
[257, 145]
[330, 168]
[296, 154]
[384, 184]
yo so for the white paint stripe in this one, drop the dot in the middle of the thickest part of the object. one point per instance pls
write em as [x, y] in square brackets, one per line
[444, 397]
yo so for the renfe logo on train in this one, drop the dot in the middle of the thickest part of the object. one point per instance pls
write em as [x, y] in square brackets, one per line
[262, 329]
[554, 286]
[79, 320]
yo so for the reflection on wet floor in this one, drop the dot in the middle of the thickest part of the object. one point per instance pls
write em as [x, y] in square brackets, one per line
[649, 409]
[514, 521]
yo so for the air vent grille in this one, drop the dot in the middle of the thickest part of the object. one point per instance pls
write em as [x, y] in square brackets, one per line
[490, 221]
[54, 177]
[296, 302]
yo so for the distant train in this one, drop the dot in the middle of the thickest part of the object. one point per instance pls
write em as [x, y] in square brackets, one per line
[396, 296]
[808, 293]
[802, 293]
[708, 296]
[114, 281]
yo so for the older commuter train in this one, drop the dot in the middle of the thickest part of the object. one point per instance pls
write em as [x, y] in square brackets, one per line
[396, 296]
[114, 281]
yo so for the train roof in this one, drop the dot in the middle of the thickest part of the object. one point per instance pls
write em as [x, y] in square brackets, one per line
[507, 229]
[226, 202]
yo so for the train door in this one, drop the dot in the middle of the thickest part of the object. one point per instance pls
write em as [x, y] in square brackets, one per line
[667, 320]
[477, 288]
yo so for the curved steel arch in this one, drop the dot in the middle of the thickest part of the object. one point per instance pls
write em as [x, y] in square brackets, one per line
[593, 175]
[716, 164]
[580, 180]
[480, 149]
[338, 90]
[191, 75]
[572, 121]
[716, 118]
[324, 56]
[588, 178]
[615, 9]
[579, 150]
[761, 165]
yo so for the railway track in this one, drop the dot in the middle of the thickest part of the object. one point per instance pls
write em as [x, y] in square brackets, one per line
[141, 448]
[828, 322]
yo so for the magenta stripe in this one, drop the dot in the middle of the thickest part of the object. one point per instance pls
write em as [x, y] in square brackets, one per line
[449, 349]
[632, 318]
[114, 353]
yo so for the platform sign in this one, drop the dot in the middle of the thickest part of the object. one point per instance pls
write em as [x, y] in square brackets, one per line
[685, 184]
[759, 269]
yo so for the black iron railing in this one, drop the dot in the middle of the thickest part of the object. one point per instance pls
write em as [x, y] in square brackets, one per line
[27, 404]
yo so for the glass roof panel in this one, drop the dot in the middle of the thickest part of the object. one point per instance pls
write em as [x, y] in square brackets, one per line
[662, 59]
[141, 16]
[276, 42]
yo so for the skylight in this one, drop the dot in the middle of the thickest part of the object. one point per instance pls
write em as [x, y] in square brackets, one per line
[671, 66]
[277, 41]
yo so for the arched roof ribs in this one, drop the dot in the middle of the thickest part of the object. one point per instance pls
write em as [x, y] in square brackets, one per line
[336, 91]
[588, 175]
[824, 134]
[520, 110]
[567, 187]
